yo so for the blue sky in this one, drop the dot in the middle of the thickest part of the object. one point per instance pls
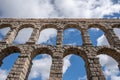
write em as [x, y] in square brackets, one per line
[73, 66]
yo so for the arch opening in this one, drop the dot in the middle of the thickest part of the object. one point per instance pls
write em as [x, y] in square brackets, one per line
[109, 67]
[26, 26]
[41, 67]
[74, 68]
[7, 64]
[48, 36]
[23, 36]
[72, 36]
[109, 60]
[97, 37]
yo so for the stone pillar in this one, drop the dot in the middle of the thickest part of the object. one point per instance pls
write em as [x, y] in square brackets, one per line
[9, 38]
[59, 37]
[57, 65]
[34, 36]
[93, 68]
[86, 38]
[21, 68]
[111, 37]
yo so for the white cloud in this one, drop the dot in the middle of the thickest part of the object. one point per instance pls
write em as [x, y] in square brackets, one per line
[3, 74]
[66, 63]
[23, 35]
[41, 68]
[110, 69]
[115, 77]
[71, 30]
[94, 29]
[107, 60]
[117, 32]
[102, 41]
[3, 32]
[71, 44]
[58, 8]
[26, 8]
[86, 8]
[46, 34]
[83, 78]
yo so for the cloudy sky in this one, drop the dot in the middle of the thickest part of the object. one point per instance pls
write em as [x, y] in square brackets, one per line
[73, 68]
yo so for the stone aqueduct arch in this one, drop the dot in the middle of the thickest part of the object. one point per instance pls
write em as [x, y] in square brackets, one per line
[87, 51]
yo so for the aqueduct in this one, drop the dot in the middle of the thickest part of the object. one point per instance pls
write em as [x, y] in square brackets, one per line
[30, 49]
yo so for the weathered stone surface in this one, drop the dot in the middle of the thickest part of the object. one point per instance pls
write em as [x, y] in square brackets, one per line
[87, 51]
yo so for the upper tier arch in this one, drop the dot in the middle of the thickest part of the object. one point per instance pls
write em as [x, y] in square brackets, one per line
[72, 25]
[26, 26]
[100, 26]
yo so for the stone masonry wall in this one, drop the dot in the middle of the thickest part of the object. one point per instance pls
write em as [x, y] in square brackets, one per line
[87, 51]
